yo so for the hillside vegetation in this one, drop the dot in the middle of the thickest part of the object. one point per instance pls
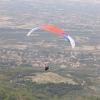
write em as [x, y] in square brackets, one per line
[34, 84]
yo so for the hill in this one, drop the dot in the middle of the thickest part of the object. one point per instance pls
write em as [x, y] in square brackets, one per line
[50, 77]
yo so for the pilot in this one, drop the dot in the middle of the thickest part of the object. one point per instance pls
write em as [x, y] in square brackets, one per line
[46, 68]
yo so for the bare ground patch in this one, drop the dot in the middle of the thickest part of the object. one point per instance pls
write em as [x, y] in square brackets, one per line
[88, 47]
[50, 77]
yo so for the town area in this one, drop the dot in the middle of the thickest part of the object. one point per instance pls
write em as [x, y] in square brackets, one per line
[38, 50]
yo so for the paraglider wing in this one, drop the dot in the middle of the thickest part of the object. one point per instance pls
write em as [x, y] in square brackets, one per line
[48, 28]
[54, 30]
[32, 30]
[72, 42]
